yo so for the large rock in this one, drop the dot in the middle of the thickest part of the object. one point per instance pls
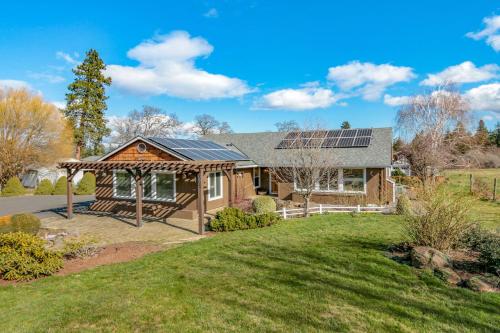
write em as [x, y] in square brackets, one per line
[447, 274]
[477, 283]
[427, 257]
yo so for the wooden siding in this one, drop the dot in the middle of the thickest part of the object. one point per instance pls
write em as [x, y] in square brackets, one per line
[130, 153]
[244, 183]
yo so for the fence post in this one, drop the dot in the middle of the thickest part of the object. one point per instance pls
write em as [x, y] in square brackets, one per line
[359, 209]
[284, 213]
[321, 208]
[470, 183]
[495, 189]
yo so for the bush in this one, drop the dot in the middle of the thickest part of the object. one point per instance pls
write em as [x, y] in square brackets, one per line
[86, 184]
[45, 187]
[403, 206]
[13, 187]
[487, 244]
[60, 187]
[263, 204]
[27, 223]
[24, 257]
[397, 173]
[230, 219]
[439, 220]
[78, 249]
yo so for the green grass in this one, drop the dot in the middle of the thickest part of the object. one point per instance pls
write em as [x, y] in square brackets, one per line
[325, 273]
[485, 212]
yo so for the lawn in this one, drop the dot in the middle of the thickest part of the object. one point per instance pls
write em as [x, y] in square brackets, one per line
[325, 273]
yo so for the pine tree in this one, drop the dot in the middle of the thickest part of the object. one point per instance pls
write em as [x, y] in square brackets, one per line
[494, 136]
[86, 103]
[481, 136]
[345, 125]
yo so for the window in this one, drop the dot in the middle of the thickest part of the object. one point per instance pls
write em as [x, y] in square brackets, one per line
[256, 177]
[354, 180]
[156, 186]
[215, 185]
[330, 182]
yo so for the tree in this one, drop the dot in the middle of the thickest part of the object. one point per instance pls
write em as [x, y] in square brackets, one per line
[287, 126]
[148, 122]
[306, 167]
[481, 136]
[86, 103]
[427, 118]
[345, 125]
[206, 124]
[494, 136]
[32, 133]
[397, 145]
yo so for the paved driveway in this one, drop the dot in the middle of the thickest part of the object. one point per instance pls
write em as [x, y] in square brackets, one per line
[41, 205]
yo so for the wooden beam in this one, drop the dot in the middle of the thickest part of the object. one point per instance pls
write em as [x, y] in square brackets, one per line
[138, 197]
[201, 201]
[229, 174]
[69, 193]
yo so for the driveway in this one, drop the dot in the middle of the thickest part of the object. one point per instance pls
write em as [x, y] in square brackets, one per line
[41, 205]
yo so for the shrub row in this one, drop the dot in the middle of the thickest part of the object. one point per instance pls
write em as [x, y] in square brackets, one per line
[13, 187]
[230, 219]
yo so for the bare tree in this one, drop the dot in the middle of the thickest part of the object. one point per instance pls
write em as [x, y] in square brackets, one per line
[287, 126]
[148, 122]
[426, 119]
[306, 167]
[206, 124]
[224, 127]
[32, 133]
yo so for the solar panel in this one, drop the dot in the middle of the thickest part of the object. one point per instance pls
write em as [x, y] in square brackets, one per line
[329, 143]
[334, 134]
[292, 135]
[365, 132]
[285, 144]
[343, 138]
[314, 143]
[349, 133]
[345, 142]
[362, 141]
[200, 149]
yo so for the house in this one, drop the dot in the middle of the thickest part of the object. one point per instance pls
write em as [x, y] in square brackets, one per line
[183, 178]
[34, 175]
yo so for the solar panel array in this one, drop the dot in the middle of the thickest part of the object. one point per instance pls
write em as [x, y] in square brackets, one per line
[200, 149]
[343, 138]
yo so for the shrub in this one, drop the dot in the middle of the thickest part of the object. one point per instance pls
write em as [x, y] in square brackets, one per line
[24, 257]
[78, 249]
[487, 244]
[403, 206]
[13, 187]
[230, 219]
[397, 173]
[86, 184]
[439, 220]
[263, 204]
[27, 223]
[45, 187]
[60, 187]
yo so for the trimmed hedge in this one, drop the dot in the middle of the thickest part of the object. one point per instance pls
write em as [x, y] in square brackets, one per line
[263, 204]
[24, 257]
[25, 222]
[45, 187]
[60, 187]
[230, 219]
[403, 206]
[13, 187]
[86, 184]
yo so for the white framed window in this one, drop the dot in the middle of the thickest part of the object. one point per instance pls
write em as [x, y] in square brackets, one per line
[214, 185]
[349, 180]
[157, 186]
[256, 177]
[330, 183]
[354, 180]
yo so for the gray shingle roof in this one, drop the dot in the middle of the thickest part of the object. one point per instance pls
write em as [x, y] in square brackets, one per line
[260, 147]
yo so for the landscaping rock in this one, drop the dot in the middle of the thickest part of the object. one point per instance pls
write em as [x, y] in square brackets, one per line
[447, 274]
[427, 257]
[478, 283]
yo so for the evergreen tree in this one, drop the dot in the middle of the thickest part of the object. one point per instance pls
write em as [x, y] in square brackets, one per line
[481, 136]
[345, 125]
[494, 136]
[86, 103]
[397, 145]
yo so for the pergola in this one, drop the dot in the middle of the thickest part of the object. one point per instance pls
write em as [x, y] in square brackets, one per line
[139, 169]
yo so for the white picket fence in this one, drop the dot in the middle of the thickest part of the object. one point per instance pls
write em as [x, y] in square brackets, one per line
[321, 209]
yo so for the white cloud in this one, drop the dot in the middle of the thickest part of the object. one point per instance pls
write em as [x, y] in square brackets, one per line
[47, 77]
[368, 79]
[59, 104]
[311, 96]
[167, 67]
[465, 72]
[14, 84]
[67, 57]
[211, 13]
[485, 97]
[395, 100]
[491, 32]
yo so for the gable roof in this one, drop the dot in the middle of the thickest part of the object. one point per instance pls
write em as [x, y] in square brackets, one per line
[261, 148]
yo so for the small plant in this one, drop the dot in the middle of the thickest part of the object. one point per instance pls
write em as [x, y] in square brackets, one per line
[27, 223]
[230, 219]
[263, 204]
[403, 206]
[267, 219]
[24, 257]
[86, 184]
[45, 187]
[439, 220]
[397, 173]
[82, 248]
[13, 187]
[487, 243]
[60, 187]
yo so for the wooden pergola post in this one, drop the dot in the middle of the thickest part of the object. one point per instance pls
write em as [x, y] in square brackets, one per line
[138, 197]
[230, 174]
[69, 194]
[201, 201]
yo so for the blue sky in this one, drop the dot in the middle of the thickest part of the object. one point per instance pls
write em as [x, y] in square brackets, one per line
[253, 63]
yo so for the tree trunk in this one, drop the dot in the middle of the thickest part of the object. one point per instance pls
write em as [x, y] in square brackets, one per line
[78, 151]
[306, 206]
